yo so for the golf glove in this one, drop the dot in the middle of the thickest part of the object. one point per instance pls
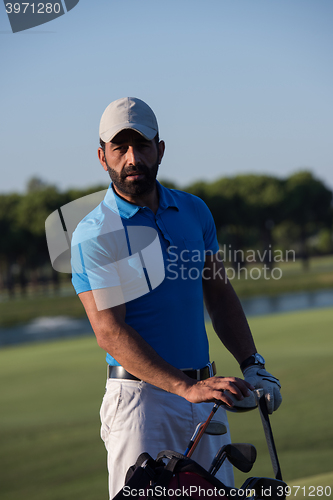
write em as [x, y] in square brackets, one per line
[260, 378]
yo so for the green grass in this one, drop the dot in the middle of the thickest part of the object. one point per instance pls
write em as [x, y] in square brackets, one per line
[310, 487]
[293, 278]
[298, 348]
[49, 422]
[51, 393]
[22, 310]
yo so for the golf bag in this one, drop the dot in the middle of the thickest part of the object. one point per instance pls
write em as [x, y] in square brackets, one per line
[174, 476]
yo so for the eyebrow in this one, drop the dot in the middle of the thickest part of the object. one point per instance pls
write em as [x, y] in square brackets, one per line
[136, 141]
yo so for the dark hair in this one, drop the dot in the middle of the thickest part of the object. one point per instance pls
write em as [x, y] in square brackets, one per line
[156, 139]
[102, 144]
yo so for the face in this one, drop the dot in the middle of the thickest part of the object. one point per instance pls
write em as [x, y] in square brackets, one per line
[132, 162]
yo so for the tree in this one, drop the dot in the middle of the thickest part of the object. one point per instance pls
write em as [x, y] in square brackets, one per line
[12, 241]
[245, 209]
[168, 184]
[307, 207]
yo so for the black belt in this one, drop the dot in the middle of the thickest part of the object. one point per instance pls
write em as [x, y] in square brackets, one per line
[201, 374]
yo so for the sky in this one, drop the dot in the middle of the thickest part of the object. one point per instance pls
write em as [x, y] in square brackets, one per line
[238, 86]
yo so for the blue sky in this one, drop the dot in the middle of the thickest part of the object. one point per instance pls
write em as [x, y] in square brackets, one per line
[238, 86]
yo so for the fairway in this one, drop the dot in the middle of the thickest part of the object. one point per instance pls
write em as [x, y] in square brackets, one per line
[51, 393]
[310, 487]
[298, 348]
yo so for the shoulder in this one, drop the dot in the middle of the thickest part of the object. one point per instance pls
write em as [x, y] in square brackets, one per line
[184, 199]
[99, 221]
[192, 203]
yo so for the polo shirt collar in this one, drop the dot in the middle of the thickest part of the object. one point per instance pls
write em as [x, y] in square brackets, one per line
[167, 199]
[118, 205]
[128, 210]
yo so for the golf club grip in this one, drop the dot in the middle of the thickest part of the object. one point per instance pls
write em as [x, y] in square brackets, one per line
[269, 437]
[202, 431]
[189, 446]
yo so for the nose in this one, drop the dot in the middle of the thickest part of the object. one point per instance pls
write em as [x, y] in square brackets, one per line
[132, 155]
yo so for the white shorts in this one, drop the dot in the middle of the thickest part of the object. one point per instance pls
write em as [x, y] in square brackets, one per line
[137, 417]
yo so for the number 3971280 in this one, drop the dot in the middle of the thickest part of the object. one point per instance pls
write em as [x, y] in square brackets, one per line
[33, 8]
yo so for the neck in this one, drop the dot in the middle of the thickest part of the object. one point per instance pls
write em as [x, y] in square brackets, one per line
[149, 200]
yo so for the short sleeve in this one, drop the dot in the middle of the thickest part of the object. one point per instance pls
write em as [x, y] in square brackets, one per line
[95, 263]
[105, 266]
[208, 226]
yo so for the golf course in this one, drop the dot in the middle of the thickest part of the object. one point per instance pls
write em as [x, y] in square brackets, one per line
[51, 392]
[298, 348]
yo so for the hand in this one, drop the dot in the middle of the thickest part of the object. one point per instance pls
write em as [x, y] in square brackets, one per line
[213, 390]
[260, 378]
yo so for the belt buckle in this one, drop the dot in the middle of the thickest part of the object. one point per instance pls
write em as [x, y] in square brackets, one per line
[211, 370]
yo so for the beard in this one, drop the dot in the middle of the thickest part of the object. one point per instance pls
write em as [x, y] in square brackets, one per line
[137, 186]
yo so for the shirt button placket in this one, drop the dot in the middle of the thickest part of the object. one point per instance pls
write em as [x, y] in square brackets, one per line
[165, 235]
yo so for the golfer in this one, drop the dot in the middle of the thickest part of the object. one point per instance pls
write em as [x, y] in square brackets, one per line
[144, 262]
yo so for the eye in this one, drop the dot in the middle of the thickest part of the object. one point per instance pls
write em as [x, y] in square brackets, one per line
[143, 145]
[121, 149]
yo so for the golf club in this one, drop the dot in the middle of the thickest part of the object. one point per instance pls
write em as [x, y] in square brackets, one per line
[240, 406]
[241, 455]
[259, 393]
[213, 429]
[274, 488]
[202, 430]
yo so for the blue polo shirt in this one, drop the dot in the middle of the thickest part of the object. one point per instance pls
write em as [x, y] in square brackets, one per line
[167, 311]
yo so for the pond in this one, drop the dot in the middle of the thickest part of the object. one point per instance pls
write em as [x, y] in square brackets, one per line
[287, 302]
[48, 328]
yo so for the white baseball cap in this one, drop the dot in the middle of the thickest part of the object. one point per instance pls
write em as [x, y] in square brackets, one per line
[128, 113]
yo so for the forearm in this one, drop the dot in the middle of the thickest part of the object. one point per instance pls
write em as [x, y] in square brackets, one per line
[142, 361]
[226, 312]
[125, 345]
[230, 324]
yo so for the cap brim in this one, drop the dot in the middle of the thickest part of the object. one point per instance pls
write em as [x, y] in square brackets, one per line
[147, 132]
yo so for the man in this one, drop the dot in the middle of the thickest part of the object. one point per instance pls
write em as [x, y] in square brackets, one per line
[151, 324]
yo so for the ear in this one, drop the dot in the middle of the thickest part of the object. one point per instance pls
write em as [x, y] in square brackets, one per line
[161, 149]
[101, 157]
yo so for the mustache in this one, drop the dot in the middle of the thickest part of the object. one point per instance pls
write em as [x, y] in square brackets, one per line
[135, 170]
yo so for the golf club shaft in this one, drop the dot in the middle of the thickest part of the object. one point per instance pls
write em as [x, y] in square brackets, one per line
[213, 428]
[269, 437]
[217, 458]
[219, 463]
[202, 430]
[190, 444]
